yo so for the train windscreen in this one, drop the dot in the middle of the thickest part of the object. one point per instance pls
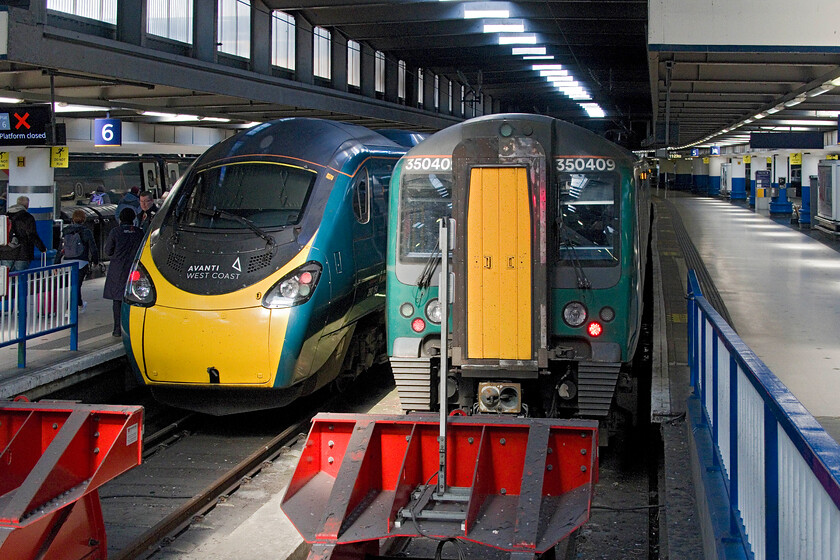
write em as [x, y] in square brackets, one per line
[231, 196]
[424, 199]
[587, 225]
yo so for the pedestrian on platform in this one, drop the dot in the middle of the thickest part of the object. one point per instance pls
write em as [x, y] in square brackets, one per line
[148, 209]
[121, 246]
[23, 238]
[130, 200]
[79, 246]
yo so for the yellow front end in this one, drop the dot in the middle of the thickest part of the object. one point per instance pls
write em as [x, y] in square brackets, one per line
[228, 339]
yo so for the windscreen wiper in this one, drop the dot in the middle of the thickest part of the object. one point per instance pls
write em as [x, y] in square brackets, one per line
[244, 221]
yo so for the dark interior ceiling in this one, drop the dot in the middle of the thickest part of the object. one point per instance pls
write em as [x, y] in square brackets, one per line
[602, 43]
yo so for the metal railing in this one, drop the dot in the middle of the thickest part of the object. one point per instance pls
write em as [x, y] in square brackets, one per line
[780, 469]
[39, 301]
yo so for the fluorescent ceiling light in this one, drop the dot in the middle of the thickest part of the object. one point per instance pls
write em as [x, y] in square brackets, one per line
[528, 50]
[593, 110]
[547, 73]
[807, 122]
[70, 108]
[760, 116]
[10, 100]
[560, 79]
[155, 114]
[828, 86]
[517, 39]
[511, 27]
[546, 57]
[491, 14]
[170, 116]
[581, 96]
[827, 114]
[774, 110]
[795, 101]
[835, 82]
[213, 119]
[546, 67]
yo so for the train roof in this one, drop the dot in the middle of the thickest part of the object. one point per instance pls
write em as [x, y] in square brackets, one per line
[568, 139]
[314, 140]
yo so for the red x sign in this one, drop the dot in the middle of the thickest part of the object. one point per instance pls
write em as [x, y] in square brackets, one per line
[22, 121]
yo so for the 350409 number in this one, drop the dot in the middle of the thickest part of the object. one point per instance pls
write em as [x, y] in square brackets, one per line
[428, 164]
[584, 164]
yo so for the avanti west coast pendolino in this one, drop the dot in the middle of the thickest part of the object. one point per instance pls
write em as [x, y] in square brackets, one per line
[262, 276]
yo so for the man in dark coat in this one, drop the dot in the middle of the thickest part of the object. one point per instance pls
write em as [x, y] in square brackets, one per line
[148, 209]
[23, 229]
[130, 200]
[121, 246]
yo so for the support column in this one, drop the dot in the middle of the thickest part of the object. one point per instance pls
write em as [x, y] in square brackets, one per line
[429, 97]
[131, 22]
[338, 61]
[30, 175]
[303, 51]
[456, 99]
[810, 162]
[411, 99]
[714, 176]
[738, 187]
[260, 37]
[700, 175]
[368, 71]
[205, 29]
[392, 79]
[683, 172]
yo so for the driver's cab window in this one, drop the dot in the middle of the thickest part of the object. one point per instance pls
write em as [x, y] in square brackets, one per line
[361, 198]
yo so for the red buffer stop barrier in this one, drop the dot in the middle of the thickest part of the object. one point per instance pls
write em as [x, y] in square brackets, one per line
[517, 484]
[53, 458]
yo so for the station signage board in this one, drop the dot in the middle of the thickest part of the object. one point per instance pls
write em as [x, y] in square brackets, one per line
[24, 125]
[59, 156]
[796, 158]
[107, 132]
[715, 150]
[695, 152]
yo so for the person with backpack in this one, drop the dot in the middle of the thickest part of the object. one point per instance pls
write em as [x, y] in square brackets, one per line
[79, 246]
[23, 238]
[121, 246]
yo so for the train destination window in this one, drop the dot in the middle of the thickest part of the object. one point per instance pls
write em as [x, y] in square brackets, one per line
[587, 223]
[426, 198]
[266, 194]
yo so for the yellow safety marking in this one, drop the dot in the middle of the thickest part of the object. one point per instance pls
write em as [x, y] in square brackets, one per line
[499, 264]
[679, 317]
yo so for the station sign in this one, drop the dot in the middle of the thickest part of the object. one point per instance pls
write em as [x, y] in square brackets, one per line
[695, 152]
[59, 156]
[107, 132]
[706, 160]
[4, 160]
[796, 158]
[715, 150]
[24, 125]
[747, 159]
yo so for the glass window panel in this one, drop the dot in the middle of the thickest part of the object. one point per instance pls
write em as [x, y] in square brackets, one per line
[354, 61]
[321, 60]
[379, 70]
[437, 92]
[450, 96]
[283, 37]
[425, 199]
[101, 10]
[171, 19]
[401, 80]
[235, 27]
[588, 229]
[420, 86]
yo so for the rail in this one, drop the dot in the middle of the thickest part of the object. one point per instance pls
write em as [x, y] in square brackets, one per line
[47, 304]
[777, 469]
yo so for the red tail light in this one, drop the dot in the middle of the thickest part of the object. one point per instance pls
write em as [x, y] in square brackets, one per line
[594, 329]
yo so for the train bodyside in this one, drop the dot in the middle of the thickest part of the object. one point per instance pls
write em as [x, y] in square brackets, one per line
[551, 236]
[262, 276]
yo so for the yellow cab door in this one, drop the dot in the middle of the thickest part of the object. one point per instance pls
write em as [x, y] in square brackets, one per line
[499, 264]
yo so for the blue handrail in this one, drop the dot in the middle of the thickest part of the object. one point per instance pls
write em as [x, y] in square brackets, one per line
[46, 304]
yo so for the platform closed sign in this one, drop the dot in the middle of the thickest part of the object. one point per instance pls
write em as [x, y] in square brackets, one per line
[107, 132]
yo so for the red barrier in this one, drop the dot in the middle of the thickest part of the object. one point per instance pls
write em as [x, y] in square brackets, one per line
[53, 458]
[520, 485]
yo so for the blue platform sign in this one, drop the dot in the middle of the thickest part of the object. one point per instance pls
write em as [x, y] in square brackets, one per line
[107, 132]
[715, 150]
[695, 152]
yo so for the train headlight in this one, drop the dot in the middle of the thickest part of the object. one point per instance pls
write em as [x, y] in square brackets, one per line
[574, 314]
[434, 311]
[139, 290]
[295, 288]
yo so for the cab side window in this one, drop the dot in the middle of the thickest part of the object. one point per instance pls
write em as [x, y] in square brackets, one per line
[361, 198]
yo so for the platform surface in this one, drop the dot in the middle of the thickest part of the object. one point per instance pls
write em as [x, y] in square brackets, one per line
[781, 287]
[49, 359]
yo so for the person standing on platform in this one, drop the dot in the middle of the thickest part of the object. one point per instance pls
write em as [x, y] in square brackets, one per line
[130, 200]
[121, 246]
[79, 246]
[148, 209]
[18, 254]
